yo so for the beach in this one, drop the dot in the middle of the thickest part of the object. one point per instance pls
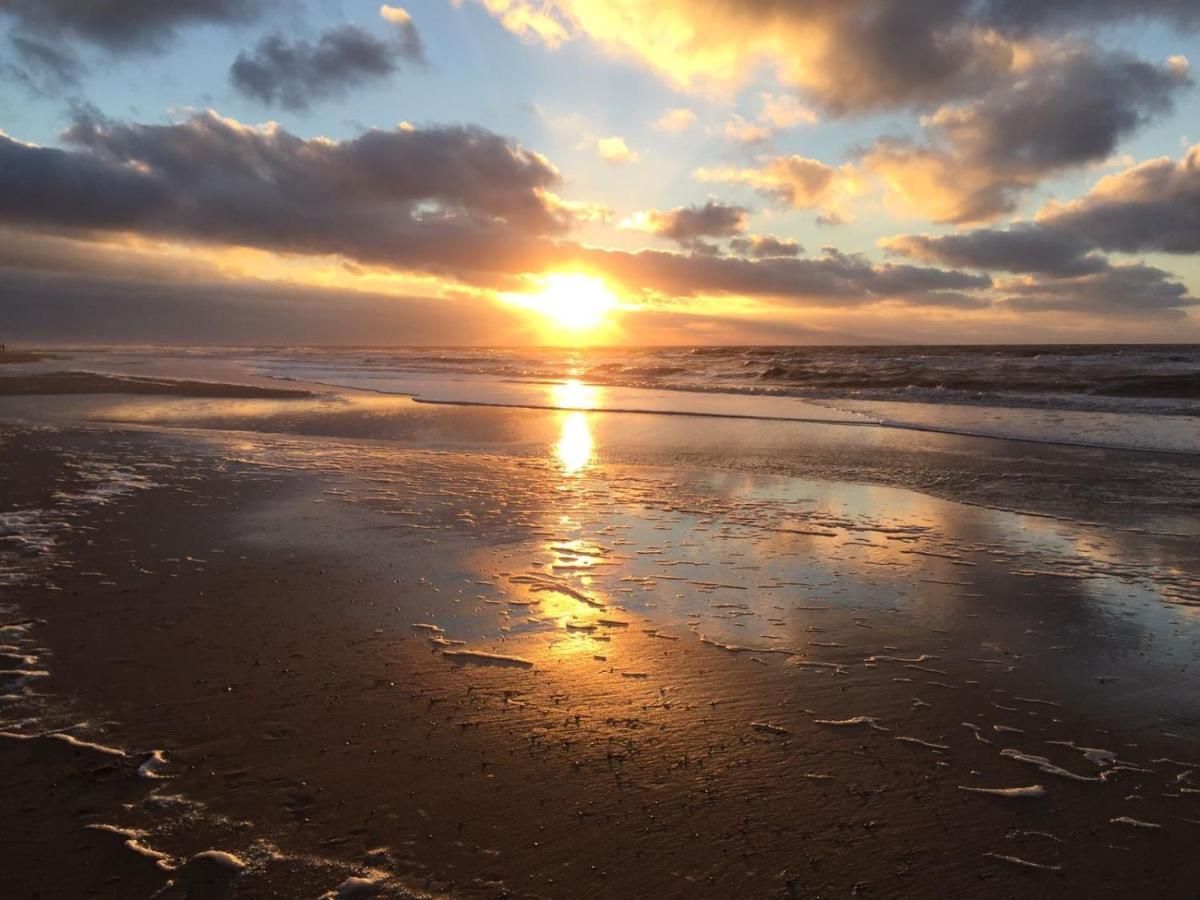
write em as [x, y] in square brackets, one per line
[299, 638]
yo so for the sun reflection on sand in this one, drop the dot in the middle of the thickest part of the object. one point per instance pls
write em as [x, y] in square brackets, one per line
[574, 447]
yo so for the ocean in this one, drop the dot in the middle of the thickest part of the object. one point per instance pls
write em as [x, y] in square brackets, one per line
[1121, 396]
[1125, 397]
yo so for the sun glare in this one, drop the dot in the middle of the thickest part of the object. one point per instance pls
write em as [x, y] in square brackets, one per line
[574, 394]
[572, 302]
[574, 447]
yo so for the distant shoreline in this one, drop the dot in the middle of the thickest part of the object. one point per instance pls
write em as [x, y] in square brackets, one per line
[93, 383]
[8, 357]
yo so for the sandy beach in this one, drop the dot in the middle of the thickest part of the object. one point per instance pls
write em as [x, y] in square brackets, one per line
[328, 642]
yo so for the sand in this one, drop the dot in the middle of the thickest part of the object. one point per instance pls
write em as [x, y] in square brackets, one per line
[305, 645]
[52, 383]
[10, 357]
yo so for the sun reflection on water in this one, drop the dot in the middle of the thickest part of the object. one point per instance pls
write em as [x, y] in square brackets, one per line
[574, 394]
[574, 447]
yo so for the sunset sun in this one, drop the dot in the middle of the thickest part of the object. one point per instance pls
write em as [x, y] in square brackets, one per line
[571, 302]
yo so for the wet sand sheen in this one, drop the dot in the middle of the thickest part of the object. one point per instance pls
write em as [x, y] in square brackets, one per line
[476, 673]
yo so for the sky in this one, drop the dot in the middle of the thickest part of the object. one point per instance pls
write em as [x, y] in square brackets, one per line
[500, 172]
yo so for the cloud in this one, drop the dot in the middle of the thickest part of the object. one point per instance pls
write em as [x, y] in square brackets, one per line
[614, 150]
[458, 202]
[575, 211]
[847, 56]
[411, 47]
[1067, 110]
[446, 199]
[1122, 290]
[794, 181]
[834, 279]
[44, 68]
[1151, 206]
[745, 132]
[295, 74]
[1023, 248]
[1030, 14]
[785, 111]
[675, 120]
[91, 307]
[688, 224]
[764, 246]
[779, 112]
[121, 25]
[1059, 260]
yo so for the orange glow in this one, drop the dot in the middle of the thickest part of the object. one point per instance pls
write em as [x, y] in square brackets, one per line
[572, 303]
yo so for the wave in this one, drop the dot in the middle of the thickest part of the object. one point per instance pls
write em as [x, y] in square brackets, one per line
[1112, 377]
[1121, 397]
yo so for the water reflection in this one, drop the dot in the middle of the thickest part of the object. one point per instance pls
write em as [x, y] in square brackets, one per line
[574, 447]
[574, 394]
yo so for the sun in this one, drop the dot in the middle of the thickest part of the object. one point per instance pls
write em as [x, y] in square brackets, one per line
[574, 303]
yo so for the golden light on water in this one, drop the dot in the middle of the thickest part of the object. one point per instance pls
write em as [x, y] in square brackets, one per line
[574, 447]
[574, 394]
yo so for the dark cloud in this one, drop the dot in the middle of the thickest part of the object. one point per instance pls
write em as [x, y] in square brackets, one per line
[438, 199]
[43, 68]
[64, 307]
[295, 74]
[1024, 248]
[1151, 206]
[765, 246]
[890, 53]
[1066, 112]
[127, 24]
[833, 279]
[688, 225]
[1025, 15]
[1121, 290]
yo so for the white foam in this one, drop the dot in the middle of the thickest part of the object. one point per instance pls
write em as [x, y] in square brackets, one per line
[154, 764]
[1032, 790]
[1134, 823]
[133, 842]
[86, 745]
[1096, 755]
[479, 657]
[1018, 861]
[914, 660]
[358, 886]
[221, 858]
[852, 722]
[1044, 765]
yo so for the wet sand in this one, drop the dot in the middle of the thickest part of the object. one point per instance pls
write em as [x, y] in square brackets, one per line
[75, 383]
[500, 652]
[8, 357]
